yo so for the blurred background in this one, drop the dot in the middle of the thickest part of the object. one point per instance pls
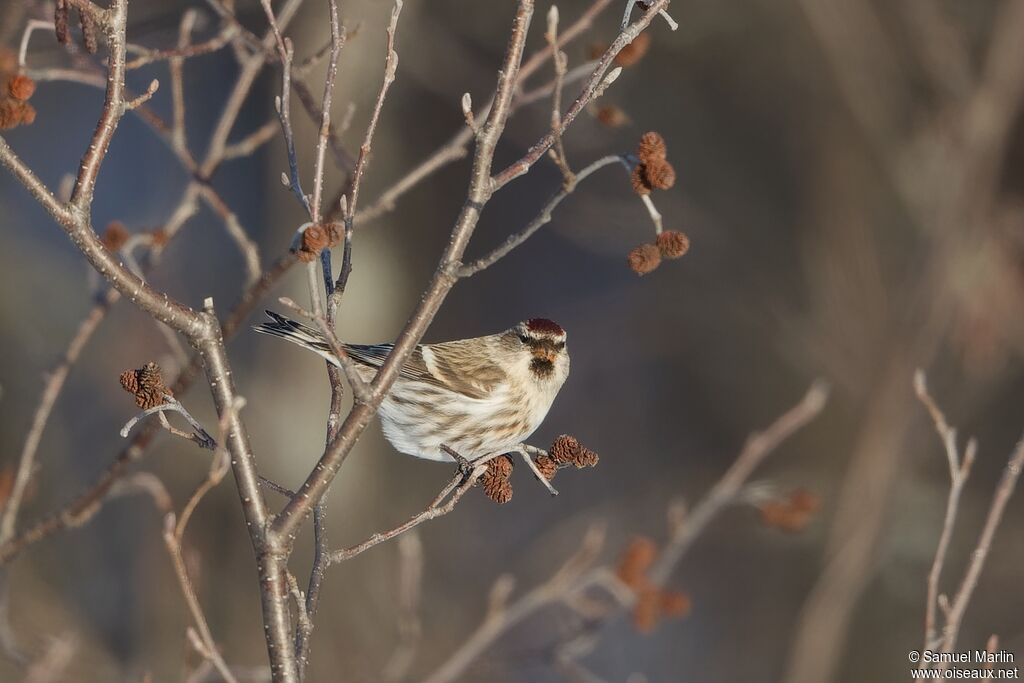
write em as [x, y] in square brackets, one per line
[849, 175]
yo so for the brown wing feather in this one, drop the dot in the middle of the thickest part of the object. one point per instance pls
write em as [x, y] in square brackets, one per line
[458, 366]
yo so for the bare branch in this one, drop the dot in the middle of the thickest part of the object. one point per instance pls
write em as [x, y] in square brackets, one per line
[337, 41]
[360, 389]
[410, 580]
[456, 147]
[543, 218]
[54, 385]
[561, 65]
[184, 50]
[252, 142]
[83, 507]
[390, 68]
[136, 102]
[204, 643]
[457, 487]
[578, 575]
[200, 436]
[958, 478]
[759, 446]
[594, 86]
[480, 189]
[962, 598]
[569, 580]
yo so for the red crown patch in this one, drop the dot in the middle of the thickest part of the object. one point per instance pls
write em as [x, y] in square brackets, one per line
[542, 325]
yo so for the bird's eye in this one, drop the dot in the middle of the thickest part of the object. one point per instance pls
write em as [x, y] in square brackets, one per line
[560, 345]
[523, 338]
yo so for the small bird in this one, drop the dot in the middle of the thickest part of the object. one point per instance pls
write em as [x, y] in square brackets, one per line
[479, 397]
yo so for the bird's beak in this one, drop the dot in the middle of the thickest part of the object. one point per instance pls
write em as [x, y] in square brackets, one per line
[545, 353]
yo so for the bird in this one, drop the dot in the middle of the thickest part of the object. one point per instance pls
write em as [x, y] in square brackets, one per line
[476, 397]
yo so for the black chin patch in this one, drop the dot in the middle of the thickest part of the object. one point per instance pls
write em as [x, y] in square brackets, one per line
[541, 367]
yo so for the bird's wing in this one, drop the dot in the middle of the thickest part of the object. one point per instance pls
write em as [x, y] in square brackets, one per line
[456, 366]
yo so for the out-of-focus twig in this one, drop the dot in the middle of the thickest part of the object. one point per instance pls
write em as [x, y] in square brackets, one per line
[959, 468]
[410, 580]
[578, 575]
[457, 147]
[457, 487]
[560, 60]
[54, 385]
[537, 223]
[759, 445]
[174, 530]
[959, 471]
[84, 506]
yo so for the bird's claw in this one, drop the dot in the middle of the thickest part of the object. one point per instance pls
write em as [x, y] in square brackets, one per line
[464, 465]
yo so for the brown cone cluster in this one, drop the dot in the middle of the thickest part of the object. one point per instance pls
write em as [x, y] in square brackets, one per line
[611, 116]
[652, 603]
[644, 259]
[146, 384]
[547, 466]
[653, 171]
[791, 514]
[115, 236]
[497, 480]
[670, 244]
[651, 147]
[629, 55]
[316, 238]
[634, 51]
[567, 450]
[15, 109]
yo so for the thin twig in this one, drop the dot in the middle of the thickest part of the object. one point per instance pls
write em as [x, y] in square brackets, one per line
[759, 446]
[962, 598]
[246, 246]
[337, 41]
[457, 147]
[410, 586]
[202, 438]
[560, 61]
[205, 643]
[252, 142]
[457, 487]
[602, 75]
[54, 385]
[959, 471]
[176, 69]
[184, 50]
[480, 189]
[83, 507]
[390, 68]
[578, 575]
[360, 389]
[286, 53]
[528, 453]
[570, 579]
[537, 223]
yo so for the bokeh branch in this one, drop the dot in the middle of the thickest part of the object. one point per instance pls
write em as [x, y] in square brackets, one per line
[944, 640]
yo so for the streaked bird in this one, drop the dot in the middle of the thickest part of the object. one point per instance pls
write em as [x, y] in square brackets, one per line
[479, 396]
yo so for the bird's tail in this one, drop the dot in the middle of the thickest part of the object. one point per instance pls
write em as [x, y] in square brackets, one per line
[297, 333]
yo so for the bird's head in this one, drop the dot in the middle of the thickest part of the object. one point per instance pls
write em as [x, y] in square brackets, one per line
[539, 344]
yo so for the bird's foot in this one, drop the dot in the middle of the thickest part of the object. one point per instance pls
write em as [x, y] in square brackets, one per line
[465, 466]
